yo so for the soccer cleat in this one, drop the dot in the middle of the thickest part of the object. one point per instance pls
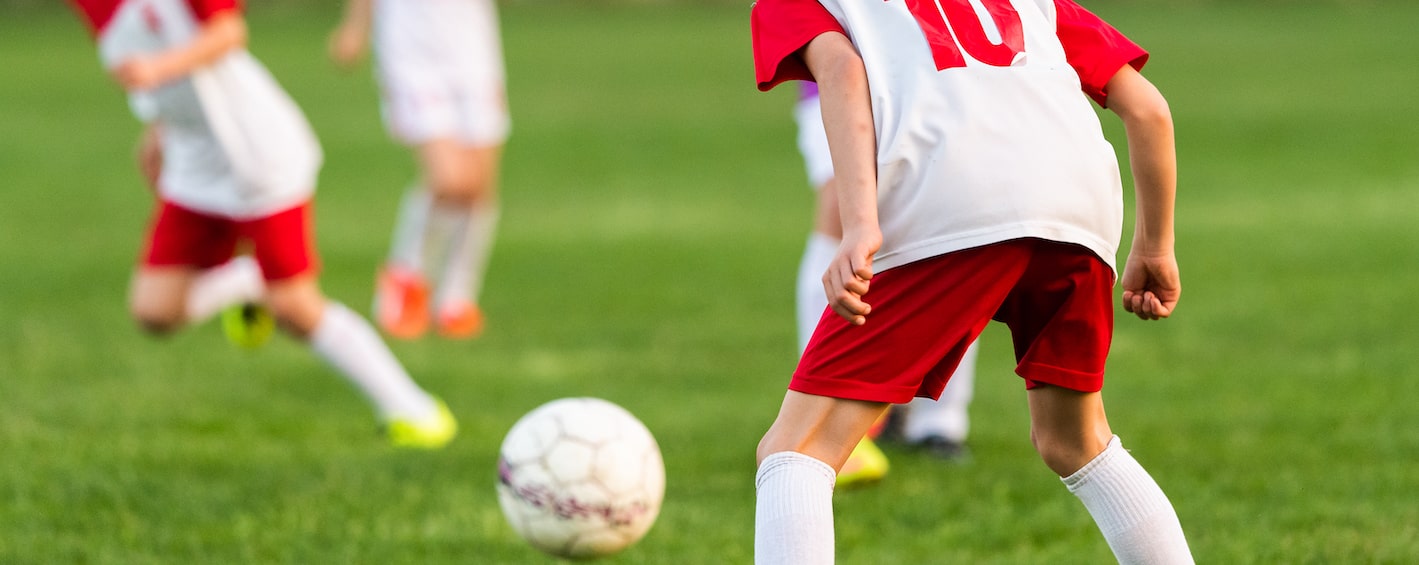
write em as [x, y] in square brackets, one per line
[248, 325]
[864, 466]
[433, 432]
[401, 303]
[944, 449]
[460, 320]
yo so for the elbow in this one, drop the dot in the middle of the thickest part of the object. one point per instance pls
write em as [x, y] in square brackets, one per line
[1154, 115]
[237, 34]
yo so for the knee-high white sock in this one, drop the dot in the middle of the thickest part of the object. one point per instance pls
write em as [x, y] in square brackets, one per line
[233, 282]
[348, 343]
[811, 301]
[793, 512]
[1132, 512]
[406, 248]
[948, 416]
[468, 256]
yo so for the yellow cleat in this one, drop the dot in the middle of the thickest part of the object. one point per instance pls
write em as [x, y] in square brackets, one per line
[865, 465]
[433, 432]
[248, 325]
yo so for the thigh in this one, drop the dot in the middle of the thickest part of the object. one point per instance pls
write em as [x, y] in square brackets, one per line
[182, 238]
[924, 317]
[1061, 317]
[283, 243]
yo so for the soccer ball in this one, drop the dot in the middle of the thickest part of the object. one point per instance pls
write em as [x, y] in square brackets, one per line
[580, 478]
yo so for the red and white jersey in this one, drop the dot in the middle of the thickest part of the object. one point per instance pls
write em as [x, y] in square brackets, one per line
[234, 144]
[984, 133]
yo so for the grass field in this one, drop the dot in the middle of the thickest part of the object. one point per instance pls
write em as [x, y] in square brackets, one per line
[654, 212]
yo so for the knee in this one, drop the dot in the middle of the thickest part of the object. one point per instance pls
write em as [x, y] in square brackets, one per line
[297, 309]
[158, 322]
[461, 193]
[1065, 454]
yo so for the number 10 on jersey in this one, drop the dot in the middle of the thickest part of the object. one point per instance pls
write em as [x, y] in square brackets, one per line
[968, 20]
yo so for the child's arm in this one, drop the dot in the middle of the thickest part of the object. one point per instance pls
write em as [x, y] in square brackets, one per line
[1151, 285]
[852, 142]
[219, 35]
[350, 40]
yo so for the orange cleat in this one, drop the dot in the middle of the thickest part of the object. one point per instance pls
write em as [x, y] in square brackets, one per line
[401, 303]
[460, 320]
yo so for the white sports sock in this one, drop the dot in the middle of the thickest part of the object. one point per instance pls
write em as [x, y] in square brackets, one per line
[949, 416]
[793, 513]
[468, 256]
[349, 344]
[1131, 510]
[406, 247]
[234, 282]
[817, 255]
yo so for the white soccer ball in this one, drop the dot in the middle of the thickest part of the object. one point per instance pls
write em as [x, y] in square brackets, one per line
[580, 478]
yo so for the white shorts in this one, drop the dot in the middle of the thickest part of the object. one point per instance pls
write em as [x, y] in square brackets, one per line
[813, 141]
[440, 65]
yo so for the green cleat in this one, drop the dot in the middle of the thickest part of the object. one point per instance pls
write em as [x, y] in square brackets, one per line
[248, 325]
[431, 433]
[866, 465]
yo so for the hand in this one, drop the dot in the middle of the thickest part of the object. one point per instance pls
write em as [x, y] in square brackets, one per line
[848, 276]
[347, 46]
[139, 73]
[1151, 285]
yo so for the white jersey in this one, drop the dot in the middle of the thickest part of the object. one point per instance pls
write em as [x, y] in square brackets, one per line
[983, 132]
[440, 65]
[234, 144]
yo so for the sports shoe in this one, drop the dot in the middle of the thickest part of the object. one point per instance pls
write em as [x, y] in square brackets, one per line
[460, 320]
[433, 432]
[401, 303]
[248, 325]
[864, 466]
[945, 449]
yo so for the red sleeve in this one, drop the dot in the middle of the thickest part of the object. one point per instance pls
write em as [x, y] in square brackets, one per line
[780, 29]
[205, 9]
[1094, 48]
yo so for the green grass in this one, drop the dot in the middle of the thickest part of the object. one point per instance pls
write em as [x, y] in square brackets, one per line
[654, 213]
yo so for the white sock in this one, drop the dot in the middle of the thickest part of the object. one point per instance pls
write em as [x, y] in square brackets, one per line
[1132, 512]
[468, 256]
[406, 247]
[349, 344]
[811, 301]
[949, 416]
[793, 513]
[233, 282]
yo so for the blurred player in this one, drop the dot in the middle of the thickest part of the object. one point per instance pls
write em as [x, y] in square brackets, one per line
[938, 427]
[974, 184]
[234, 162]
[440, 68]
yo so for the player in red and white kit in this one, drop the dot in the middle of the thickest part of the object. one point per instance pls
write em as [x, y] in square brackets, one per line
[234, 163]
[440, 68]
[974, 184]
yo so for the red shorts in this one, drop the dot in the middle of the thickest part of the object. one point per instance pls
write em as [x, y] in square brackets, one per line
[282, 243]
[1056, 298]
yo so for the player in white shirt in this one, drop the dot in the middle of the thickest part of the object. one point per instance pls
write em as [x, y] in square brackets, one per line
[440, 68]
[937, 427]
[234, 162]
[974, 184]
